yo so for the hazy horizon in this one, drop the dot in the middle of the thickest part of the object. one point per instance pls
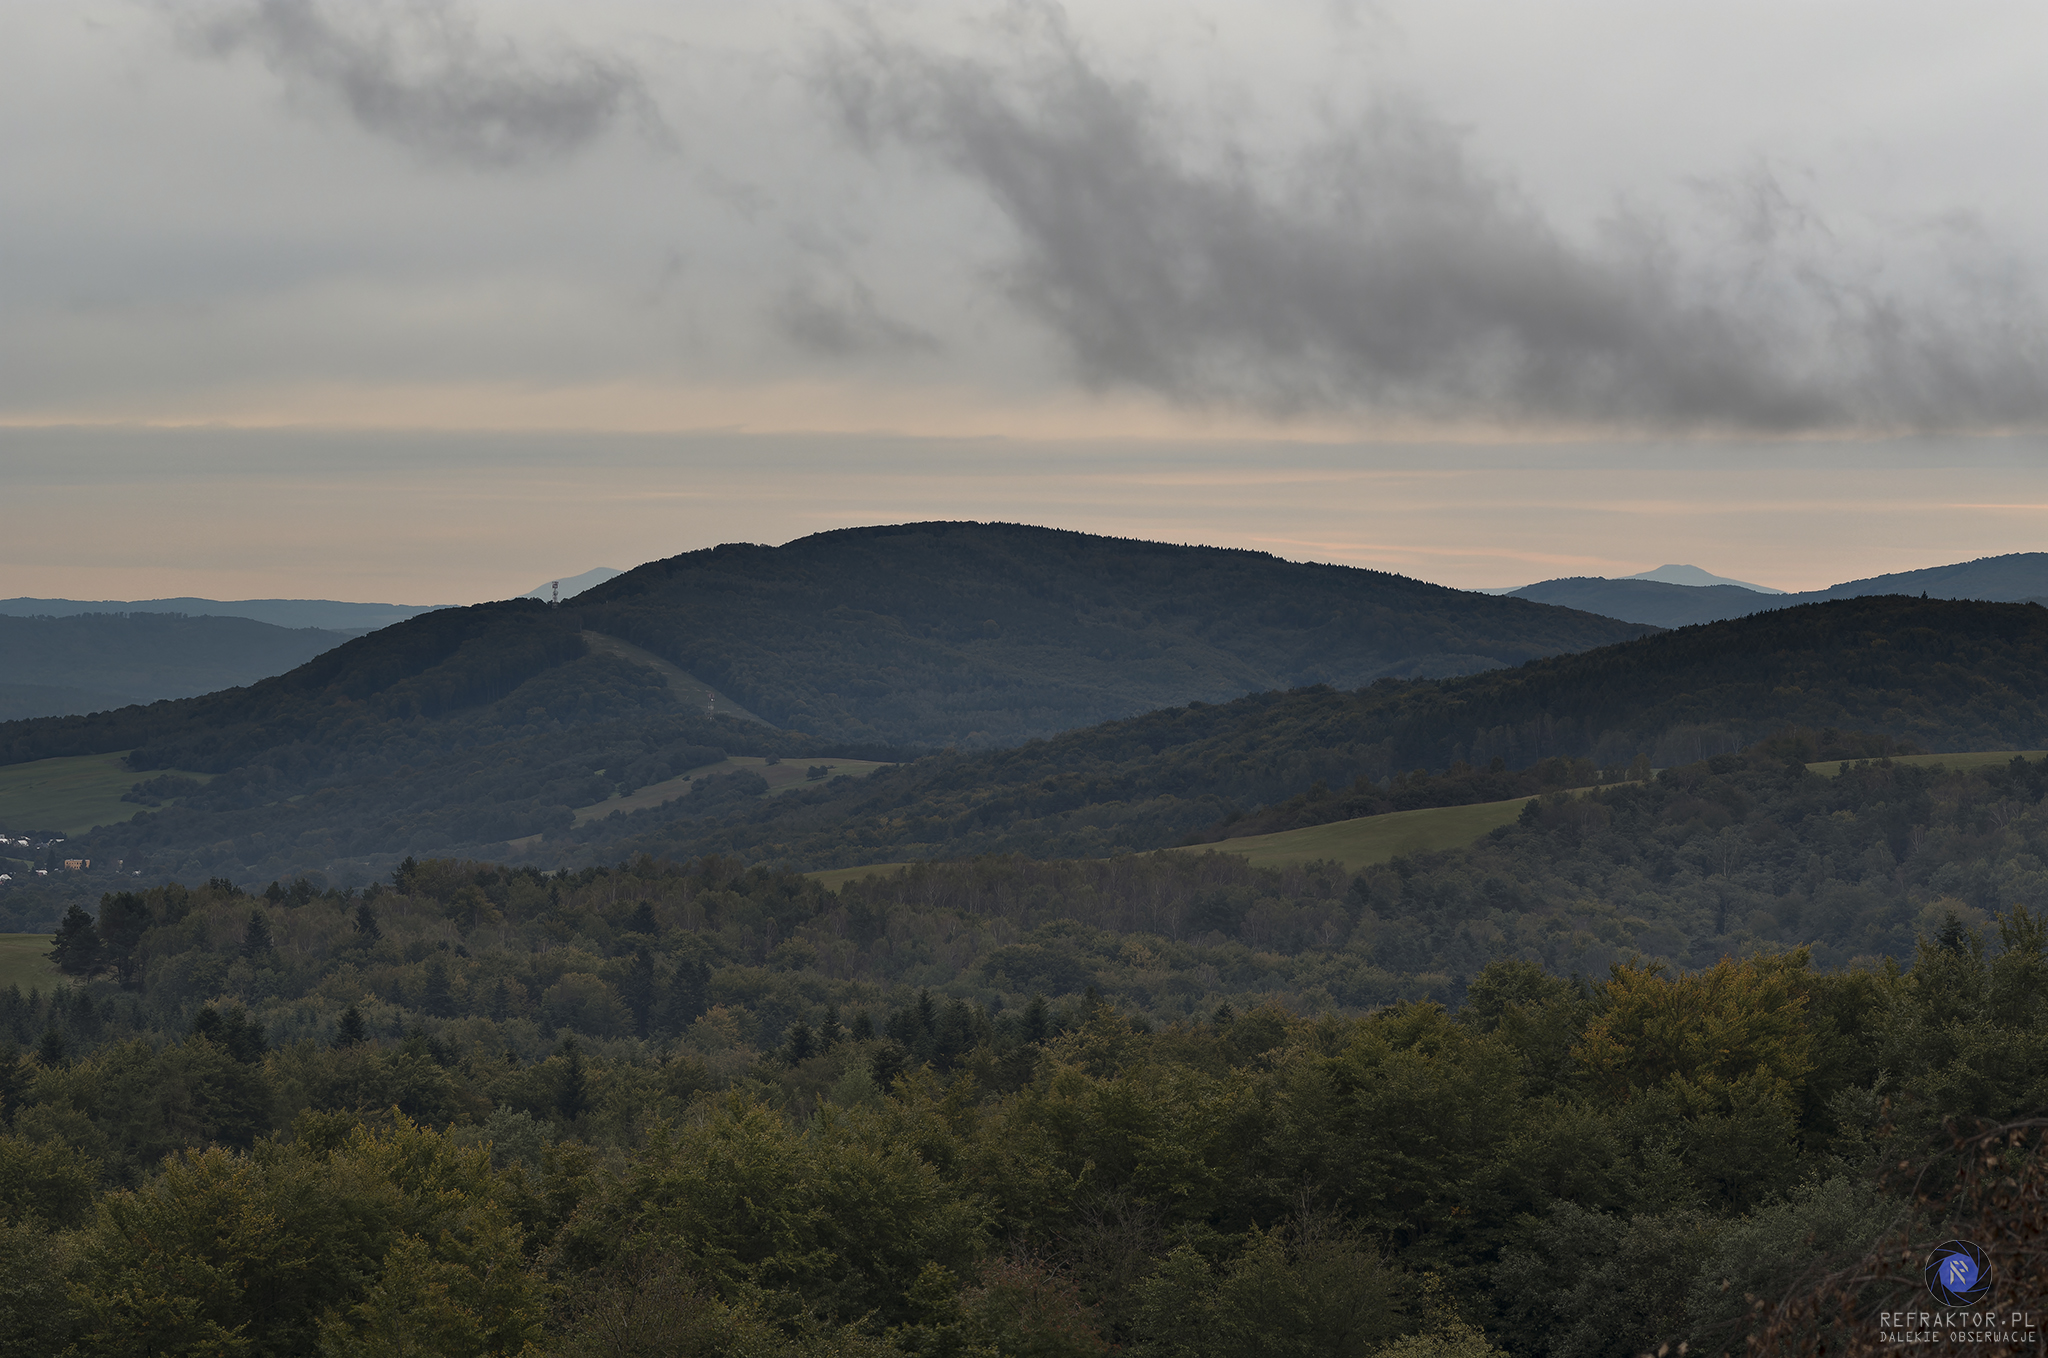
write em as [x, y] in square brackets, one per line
[419, 300]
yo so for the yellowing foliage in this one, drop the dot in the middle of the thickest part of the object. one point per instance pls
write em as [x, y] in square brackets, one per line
[1702, 1035]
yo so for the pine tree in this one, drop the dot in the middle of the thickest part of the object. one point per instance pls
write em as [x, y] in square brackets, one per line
[366, 923]
[76, 949]
[1036, 1020]
[637, 989]
[13, 1081]
[501, 1001]
[573, 1097]
[688, 993]
[53, 1051]
[437, 1000]
[863, 1027]
[256, 938]
[801, 1047]
[124, 918]
[641, 921]
[234, 1032]
[351, 1031]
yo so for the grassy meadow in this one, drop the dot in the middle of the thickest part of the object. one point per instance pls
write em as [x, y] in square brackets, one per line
[24, 962]
[1372, 839]
[834, 878]
[790, 773]
[71, 795]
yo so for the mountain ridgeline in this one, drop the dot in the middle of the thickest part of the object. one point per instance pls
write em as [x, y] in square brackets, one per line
[527, 778]
[2014, 578]
[986, 634]
[88, 662]
[924, 636]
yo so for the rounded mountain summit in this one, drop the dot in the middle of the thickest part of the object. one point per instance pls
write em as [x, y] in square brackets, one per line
[990, 633]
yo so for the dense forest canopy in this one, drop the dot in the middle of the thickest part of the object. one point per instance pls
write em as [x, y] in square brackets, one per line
[1661, 1042]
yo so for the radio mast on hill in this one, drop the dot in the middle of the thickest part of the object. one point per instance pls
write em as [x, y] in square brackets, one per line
[555, 594]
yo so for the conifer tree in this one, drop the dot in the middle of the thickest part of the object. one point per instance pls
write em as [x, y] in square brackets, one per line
[351, 1031]
[76, 950]
[13, 1081]
[637, 990]
[573, 1096]
[688, 993]
[437, 1000]
[256, 941]
[1036, 1022]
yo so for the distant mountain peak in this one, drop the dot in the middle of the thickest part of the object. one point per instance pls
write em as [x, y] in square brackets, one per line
[573, 585]
[1693, 575]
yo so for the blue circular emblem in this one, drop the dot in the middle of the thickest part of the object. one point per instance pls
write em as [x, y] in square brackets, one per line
[1958, 1274]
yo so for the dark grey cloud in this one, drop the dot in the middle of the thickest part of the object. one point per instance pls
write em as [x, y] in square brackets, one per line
[420, 73]
[1385, 271]
[843, 321]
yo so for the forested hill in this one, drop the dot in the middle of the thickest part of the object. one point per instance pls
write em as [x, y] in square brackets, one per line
[93, 661]
[1943, 675]
[929, 635]
[978, 634]
[427, 667]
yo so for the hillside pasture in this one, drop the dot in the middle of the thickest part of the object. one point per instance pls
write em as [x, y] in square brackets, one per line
[1368, 840]
[1375, 839]
[25, 962]
[72, 794]
[780, 777]
[834, 878]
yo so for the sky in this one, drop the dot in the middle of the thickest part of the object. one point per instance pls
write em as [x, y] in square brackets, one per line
[424, 301]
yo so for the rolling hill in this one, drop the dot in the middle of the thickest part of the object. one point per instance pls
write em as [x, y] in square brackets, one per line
[2014, 578]
[331, 614]
[504, 721]
[986, 634]
[521, 742]
[89, 662]
[1938, 674]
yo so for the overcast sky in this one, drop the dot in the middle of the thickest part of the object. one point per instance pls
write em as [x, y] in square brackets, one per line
[427, 302]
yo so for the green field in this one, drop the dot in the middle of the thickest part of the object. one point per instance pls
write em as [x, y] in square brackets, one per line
[834, 878]
[1974, 759]
[71, 795]
[24, 962]
[790, 773]
[1372, 839]
[1354, 843]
